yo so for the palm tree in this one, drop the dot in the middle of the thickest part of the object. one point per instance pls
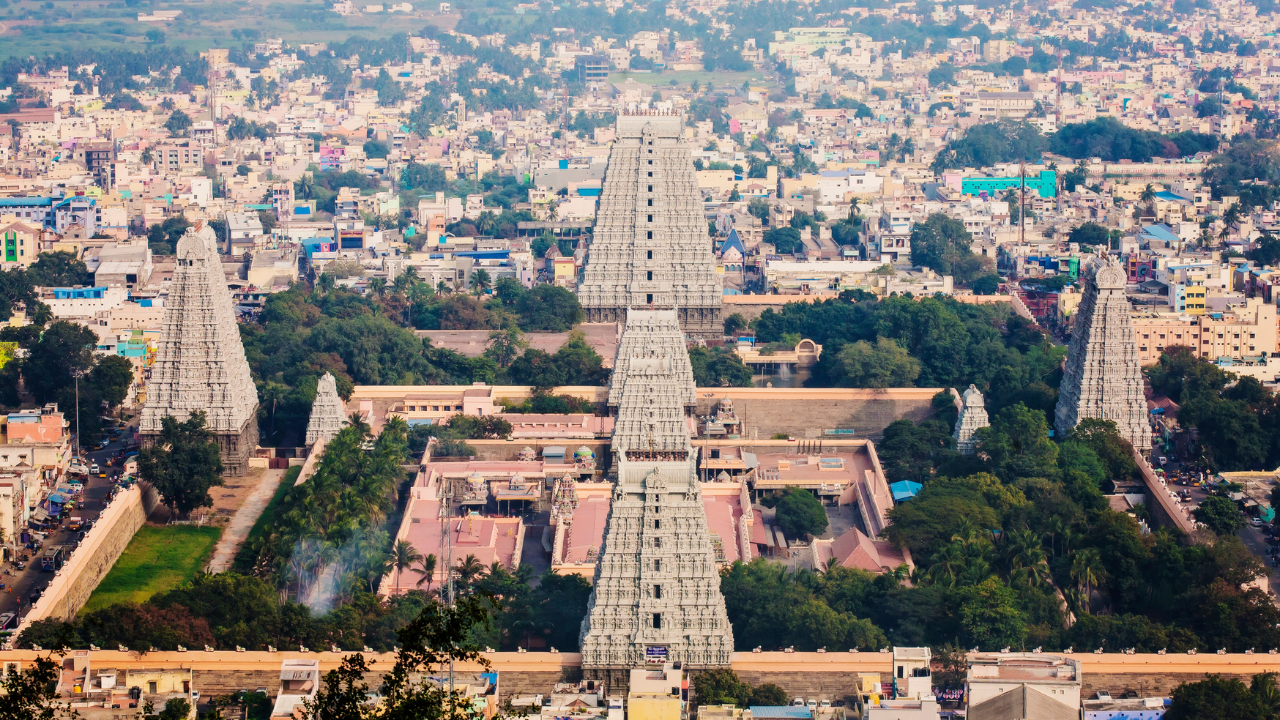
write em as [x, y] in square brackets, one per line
[325, 283]
[946, 566]
[469, 570]
[1268, 695]
[404, 555]
[305, 188]
[427, 569]
[378, 286]
[486, 223]
[480, 281]
[1087, 570]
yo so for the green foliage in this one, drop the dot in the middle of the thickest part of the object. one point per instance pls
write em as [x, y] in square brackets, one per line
[341, 510]
[718, 367]
[772, 609]
[58, 269]
[1112, 141]
[377, 149]
[985, 145]
[941, 243]
[1249, 169]
[575, 363]
[31, 693]
[543, 402]
[944, 75]
[157, 559]
[785, 240]
[801, 514]
[1219, 698]
[883, 364]
[175, 709]
[1090, 233]
[423, 178]
[183, 464]
[178, 124]
[1220, 515]
[163, 237]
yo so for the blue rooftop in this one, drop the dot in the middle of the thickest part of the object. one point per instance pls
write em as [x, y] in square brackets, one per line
[1160, 232]
[1166, 195]
[904, 490]
[25, 201]
[780, 711]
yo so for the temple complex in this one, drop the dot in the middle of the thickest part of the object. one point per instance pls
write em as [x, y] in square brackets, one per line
[656, 595]
[1102, 378]
[199, 363]
[973, 415]
[651, 247]
[328, 414]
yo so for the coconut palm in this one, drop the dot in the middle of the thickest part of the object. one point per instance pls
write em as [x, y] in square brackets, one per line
[469, 570]
[427, 569]
[404, 555]
[480, 280]
[1087, 571]
[1148, 195]
[947, 566]
[378, 286]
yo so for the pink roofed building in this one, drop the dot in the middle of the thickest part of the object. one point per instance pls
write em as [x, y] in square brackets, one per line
[489, 539]
[853, 549]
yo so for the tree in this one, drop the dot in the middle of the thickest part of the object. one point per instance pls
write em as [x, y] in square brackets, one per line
[883, 364]
[175, 709]
[989, 615]
[31, 693]
[403, 555]
[1214, 698]
[505, 346]
[800, 513]
[941, 243]
[942, 76]
[734, 324]
[427, 569]
[376, 149]
[64, 351]
[785, 240]
[58, 269]
[986, 285]
[480, 280]
[1220, 515]
[548, 308]
[178, 124]
[720, 686]
[439, 635]
[112, 377]
[718, 367]
[1090, 233]
[183, 463]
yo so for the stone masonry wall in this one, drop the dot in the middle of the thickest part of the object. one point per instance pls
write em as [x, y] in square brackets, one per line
[102, 546]
[809, 417]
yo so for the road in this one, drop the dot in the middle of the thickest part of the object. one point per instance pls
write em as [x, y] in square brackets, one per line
[17, 594]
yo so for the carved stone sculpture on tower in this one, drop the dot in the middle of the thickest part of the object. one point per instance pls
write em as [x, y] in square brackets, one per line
[1103, 378]
[199, 363]
[651, 247]
[328, 414]
[656, 595]
[972, 416]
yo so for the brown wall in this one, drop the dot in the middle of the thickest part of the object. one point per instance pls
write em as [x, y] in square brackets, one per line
[808, 417]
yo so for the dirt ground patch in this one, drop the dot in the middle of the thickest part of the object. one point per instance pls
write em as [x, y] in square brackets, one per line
[226, 499]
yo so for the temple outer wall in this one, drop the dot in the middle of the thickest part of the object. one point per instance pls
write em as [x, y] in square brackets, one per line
[799, 412]
[102, 546]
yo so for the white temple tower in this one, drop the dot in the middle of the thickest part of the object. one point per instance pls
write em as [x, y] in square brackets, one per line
[1103, 378]
[651, 247]
[328, 414]
[656, 595]
[199, 363]
[972, 417]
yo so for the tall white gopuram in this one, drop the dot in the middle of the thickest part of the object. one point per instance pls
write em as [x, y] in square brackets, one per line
[656, 594]
[972, 417]
[1103, 378]
[650, 246]
[328, 414]
[200, 364]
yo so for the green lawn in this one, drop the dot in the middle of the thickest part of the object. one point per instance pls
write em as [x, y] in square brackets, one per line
[156, 560]
[245, 556]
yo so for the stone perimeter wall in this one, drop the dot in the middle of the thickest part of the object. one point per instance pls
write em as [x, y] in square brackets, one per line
[102, 546]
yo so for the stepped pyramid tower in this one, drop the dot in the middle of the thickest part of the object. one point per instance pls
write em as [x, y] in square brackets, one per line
[328, 414]
[199, 363]
[972, 417]
[1102, 378]
[656, 594]
[651, 247]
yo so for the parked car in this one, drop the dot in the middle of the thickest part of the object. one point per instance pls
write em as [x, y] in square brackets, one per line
[797, 702]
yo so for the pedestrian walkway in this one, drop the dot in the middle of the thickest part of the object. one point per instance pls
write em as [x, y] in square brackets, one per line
[242, 522]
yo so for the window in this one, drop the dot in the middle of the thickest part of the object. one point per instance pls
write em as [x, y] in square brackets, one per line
[650, 173]
[650, 234]
[657, 524]
[151, 687]
[650, 202]
[657, 621]
[657, 542]
[650, 162]
[657, 566]
[651, 220]
[657, 592]
[650, 252]
[650, 188]
[648, 298]
[650, 275]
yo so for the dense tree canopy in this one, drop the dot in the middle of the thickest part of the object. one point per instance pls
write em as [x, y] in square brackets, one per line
[941, 243]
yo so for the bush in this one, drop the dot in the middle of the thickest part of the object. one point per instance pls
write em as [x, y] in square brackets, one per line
[800, 513]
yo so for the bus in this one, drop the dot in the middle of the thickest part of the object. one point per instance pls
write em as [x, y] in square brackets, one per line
[52, 558]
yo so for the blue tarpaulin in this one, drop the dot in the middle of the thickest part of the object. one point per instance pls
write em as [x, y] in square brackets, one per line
[904, 490]
[57, 499]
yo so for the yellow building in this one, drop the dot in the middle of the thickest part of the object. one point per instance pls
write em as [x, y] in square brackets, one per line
[657, 694]
[1246, 330]
[19, 242]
